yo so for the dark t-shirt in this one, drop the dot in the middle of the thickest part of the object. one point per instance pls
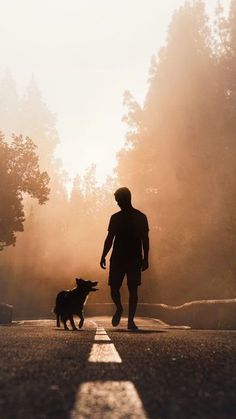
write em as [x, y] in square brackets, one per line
[129, 227]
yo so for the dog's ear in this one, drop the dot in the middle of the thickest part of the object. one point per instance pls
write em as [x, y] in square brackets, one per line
[78, 281]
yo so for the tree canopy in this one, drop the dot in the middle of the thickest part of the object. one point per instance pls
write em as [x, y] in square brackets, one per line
[180, 155]
[20, 175]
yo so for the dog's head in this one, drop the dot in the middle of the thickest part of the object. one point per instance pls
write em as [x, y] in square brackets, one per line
[86, 286]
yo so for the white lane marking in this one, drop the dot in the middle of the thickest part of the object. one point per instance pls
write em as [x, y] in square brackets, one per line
[104, 352]
[101, 334]
[106, 400]
[102, 337]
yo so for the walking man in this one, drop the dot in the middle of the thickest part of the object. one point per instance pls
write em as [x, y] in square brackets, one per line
[128, 238]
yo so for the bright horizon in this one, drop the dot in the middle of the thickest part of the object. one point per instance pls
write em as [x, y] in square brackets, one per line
[84, 55]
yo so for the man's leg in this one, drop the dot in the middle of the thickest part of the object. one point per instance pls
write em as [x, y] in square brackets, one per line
[133, 301]
[115, 295]
[116, 277]
[133, 281]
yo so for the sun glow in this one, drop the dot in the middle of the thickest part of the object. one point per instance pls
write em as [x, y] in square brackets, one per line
[84, 55]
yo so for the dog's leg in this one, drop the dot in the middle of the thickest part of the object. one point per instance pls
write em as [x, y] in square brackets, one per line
[58, 320]
[81, 320]
[65, 326]
[72, 323]
[64, 320]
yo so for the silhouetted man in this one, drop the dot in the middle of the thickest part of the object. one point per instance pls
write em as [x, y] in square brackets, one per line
[128, 229]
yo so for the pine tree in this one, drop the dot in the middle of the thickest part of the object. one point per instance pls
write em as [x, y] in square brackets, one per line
[175, 148]
[9, 106]
[39, 123]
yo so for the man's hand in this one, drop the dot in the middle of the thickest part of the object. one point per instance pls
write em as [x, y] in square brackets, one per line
[144, 264]
[103, 263]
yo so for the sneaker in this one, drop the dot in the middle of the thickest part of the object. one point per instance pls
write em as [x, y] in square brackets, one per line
[116, 318]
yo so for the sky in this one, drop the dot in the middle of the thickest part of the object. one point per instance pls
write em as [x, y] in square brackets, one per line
[84, 54]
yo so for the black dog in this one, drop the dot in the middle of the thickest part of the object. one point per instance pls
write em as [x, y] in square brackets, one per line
[72, 302]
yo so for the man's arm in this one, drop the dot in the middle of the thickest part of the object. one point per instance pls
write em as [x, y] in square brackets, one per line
[107, 246]
[145, 251]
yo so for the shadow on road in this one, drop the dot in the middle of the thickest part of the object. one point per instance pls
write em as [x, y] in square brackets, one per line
[138, 332]
[70, 330]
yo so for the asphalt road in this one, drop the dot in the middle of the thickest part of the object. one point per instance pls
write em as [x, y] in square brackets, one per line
[101, 372]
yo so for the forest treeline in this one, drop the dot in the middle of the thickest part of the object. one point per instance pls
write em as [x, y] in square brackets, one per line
[179, 161]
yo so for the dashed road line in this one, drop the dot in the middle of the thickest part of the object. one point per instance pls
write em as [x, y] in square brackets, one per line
[104, 352]
[108, 399]
[101, 334]
[102, 337]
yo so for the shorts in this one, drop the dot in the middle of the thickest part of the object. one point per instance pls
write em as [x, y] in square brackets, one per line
[118, 272]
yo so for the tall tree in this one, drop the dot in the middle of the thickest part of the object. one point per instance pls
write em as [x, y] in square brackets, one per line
[20, 174]
[9, 106]
[39, 123]
[175, 147]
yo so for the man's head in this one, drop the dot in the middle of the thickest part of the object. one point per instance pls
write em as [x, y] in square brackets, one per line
[123, 197]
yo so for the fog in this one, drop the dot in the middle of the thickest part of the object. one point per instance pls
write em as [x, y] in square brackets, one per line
[179, 161]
